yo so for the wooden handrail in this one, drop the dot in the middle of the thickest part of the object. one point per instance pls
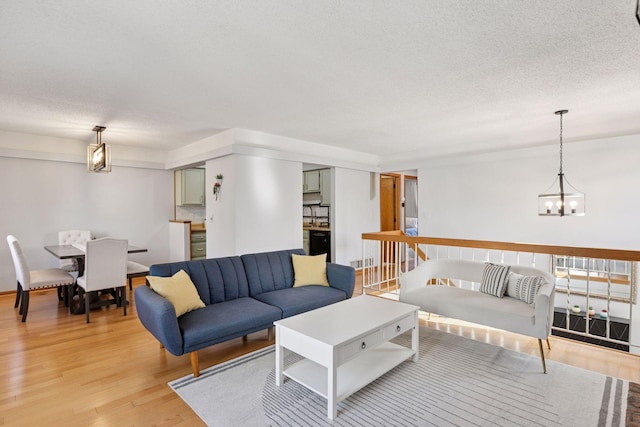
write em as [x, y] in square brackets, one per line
[613, 254]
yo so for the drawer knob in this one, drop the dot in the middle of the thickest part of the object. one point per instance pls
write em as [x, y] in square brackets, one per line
[364, 345]
[398, 328]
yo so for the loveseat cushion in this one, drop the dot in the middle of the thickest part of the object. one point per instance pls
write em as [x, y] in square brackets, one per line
[477, 307]
[224, 321]
[269, 271]
[216, 279]
[294, 301]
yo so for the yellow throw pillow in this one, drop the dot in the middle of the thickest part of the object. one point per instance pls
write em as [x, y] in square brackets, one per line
[179, 290]
[309, 270]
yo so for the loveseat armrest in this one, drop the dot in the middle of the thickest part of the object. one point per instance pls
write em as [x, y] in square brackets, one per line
[415, 279]
[158, 315]
[341, 277]
[544, 309]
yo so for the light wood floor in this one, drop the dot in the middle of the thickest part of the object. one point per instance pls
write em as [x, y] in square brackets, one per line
[57, 370]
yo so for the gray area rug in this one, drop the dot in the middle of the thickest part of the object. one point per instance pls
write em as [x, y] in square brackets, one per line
[457, 382]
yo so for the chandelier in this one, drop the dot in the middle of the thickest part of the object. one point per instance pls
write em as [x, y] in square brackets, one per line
[99, 154]
[566, 200]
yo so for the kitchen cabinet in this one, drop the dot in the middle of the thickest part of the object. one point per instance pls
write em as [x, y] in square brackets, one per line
[311, 182]
[198, 244]
[325, 187]
[189, 187]
[305, 241]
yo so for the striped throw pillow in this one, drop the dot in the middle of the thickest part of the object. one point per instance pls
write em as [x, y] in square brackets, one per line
[494, 279]
[525, 288]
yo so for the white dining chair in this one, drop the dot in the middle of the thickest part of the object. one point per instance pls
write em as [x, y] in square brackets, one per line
[69, 237]
[33, 279]
[135, 269]
[105, 268]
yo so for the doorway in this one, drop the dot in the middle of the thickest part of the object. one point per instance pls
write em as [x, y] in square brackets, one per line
[389, 210]
[389, 202]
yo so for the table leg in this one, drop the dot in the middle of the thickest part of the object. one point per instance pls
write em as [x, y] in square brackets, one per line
[279, 358]
[415, 337]
[332, 389]
[80, 261]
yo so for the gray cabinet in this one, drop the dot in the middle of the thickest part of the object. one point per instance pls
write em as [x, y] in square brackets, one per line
[325, 187]
[198, 244]
[311, 182]
[189, 187]
[305, 241]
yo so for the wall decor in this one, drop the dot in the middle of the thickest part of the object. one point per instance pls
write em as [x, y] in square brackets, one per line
[217, 186]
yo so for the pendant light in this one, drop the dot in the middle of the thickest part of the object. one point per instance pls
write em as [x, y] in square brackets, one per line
[567, 200]
[99, 154]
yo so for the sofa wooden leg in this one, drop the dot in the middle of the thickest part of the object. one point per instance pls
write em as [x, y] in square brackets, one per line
[270, 336]
[544, 365]
[548, 344]
[244, 338]
[194, 363]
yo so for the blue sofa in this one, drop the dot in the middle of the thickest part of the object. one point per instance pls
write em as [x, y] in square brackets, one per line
[242, 295]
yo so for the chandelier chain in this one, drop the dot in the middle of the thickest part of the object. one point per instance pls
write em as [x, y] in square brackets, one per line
[561, 142]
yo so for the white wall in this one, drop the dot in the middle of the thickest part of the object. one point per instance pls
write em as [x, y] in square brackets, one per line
[353, 213]
[41, 198]
[259, 207]
[494, 197]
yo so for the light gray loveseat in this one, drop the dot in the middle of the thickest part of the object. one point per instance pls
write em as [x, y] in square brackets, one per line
[471, 305]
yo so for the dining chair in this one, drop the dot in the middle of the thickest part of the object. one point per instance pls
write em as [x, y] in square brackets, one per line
[69, 237]
[34, 279]
[135, 269]
[105, 268]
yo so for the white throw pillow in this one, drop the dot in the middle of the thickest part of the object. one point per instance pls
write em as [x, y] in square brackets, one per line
[494, 279]
[524, 288]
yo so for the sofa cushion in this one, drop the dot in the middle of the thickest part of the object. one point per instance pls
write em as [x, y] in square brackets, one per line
[472, 306]
[224, 321]
[525, 288]
[309, 270]
[179, 290]
[216, 279]
[294, 301]
[269, 271]
[494, 279]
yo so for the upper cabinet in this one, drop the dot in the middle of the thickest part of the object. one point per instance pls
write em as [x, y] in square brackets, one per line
[190, 187]
[318, 181]
[325, 187]
[311, 182]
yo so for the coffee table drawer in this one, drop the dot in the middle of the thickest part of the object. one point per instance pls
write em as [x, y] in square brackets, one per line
[398, 327]
[354, 347]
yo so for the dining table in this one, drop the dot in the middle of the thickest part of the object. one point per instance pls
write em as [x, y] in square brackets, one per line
[77, 252]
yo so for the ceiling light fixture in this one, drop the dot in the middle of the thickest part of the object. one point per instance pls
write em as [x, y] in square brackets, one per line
[99, 154]
[567, 201]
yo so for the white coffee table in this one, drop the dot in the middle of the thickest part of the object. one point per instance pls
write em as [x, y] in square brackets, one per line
[345, 345]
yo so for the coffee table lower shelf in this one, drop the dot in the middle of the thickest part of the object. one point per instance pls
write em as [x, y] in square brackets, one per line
[352, 375]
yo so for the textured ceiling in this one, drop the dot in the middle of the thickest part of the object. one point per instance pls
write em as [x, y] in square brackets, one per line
[396, 79]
